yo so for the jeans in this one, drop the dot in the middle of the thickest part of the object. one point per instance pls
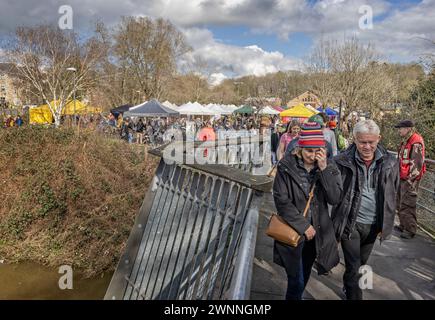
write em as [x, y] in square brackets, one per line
[274, 157]
[296, 284]
[356, 252]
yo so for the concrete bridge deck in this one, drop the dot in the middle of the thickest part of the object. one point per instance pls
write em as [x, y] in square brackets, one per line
[403, 269]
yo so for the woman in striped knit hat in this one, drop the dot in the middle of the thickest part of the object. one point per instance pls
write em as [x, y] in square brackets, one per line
[297, 173]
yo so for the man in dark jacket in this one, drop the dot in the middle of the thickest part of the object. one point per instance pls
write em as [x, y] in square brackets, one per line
[274, 143]
[370, 178]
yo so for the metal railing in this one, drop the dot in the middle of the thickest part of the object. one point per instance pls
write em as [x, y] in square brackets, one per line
[194, 237]
[426, 200]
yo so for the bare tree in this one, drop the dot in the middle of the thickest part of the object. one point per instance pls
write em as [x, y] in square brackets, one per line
[319, 68]
[379, 91]
[43, 54]
[149, 50]
[115, 82]
[427, 59]
[198, 73]
[350, 63]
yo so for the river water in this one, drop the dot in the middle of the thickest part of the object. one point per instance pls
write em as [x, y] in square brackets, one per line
[33, 281]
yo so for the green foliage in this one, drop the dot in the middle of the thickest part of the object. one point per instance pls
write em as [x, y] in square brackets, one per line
[17, 224]
[421, 108]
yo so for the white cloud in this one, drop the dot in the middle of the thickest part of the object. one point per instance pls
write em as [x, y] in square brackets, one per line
[217, 78]
[397, 34]
[234, 61]
[402, 33]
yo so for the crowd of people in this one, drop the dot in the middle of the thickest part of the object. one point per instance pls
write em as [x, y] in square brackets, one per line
[357, 191]
[10, 121]
[157, 130]
[357, 187]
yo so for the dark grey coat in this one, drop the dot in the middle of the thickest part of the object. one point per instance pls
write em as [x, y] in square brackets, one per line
[290, 192]
[345, 213]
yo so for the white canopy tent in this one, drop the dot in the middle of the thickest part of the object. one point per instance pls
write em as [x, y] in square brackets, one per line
[170, 105]
[195, 108]
[218, 109]
[268, 110]
[309, 106]
[230, 107]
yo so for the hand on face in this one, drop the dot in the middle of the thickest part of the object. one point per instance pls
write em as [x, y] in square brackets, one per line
[321, 159]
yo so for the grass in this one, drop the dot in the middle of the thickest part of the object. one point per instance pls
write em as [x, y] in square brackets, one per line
[68, 199]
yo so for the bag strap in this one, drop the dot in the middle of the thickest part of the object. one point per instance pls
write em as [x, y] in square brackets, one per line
[271, 171]
[310, 196]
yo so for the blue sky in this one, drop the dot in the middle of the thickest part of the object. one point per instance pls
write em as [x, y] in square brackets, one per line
[297, 45]
[244, 37]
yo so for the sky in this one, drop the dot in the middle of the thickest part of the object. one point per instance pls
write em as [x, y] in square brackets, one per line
[253, 37]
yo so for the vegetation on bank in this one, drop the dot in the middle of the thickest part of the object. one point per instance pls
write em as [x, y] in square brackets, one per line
[68, 199]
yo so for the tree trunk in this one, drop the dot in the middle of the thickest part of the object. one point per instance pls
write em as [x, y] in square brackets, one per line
[56, 120]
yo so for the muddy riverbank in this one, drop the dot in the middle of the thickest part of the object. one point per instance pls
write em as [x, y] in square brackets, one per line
[25, 281]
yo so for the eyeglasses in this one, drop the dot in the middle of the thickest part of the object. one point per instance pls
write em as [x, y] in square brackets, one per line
[370, 143]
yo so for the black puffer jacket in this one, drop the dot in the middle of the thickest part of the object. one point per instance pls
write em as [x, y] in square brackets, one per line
[290, 191]
[345, 213]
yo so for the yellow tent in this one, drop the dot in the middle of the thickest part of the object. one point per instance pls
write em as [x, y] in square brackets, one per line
[298, 111]
[40, 115]
[79, 108]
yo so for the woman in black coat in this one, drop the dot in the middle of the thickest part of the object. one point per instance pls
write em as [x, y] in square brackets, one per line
[297, 172]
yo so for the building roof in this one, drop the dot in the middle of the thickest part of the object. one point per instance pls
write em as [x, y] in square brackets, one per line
[306, 98]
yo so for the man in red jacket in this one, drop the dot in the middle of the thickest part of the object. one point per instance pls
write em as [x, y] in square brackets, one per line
[412, 168]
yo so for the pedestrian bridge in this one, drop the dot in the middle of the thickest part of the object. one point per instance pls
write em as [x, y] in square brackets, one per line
[200, 235]
[402, 269]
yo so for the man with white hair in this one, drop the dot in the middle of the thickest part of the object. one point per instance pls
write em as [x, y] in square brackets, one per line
[370, 177]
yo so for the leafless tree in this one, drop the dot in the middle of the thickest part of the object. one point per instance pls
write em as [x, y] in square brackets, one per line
[198, 74]
[43, 54]
[322, 78]
[148, 50]
[350, 63]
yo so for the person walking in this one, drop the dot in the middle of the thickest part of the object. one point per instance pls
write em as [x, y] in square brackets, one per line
[370, 177]
[140, 128]
[18, 121]
[127, 130]
[323, 120]
[291, 133]
[319, 120]
[297, 173]
[206, 133]
[412, 168]
[274, 139]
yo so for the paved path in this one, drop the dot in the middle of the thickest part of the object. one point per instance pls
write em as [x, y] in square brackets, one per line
[403, 269]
